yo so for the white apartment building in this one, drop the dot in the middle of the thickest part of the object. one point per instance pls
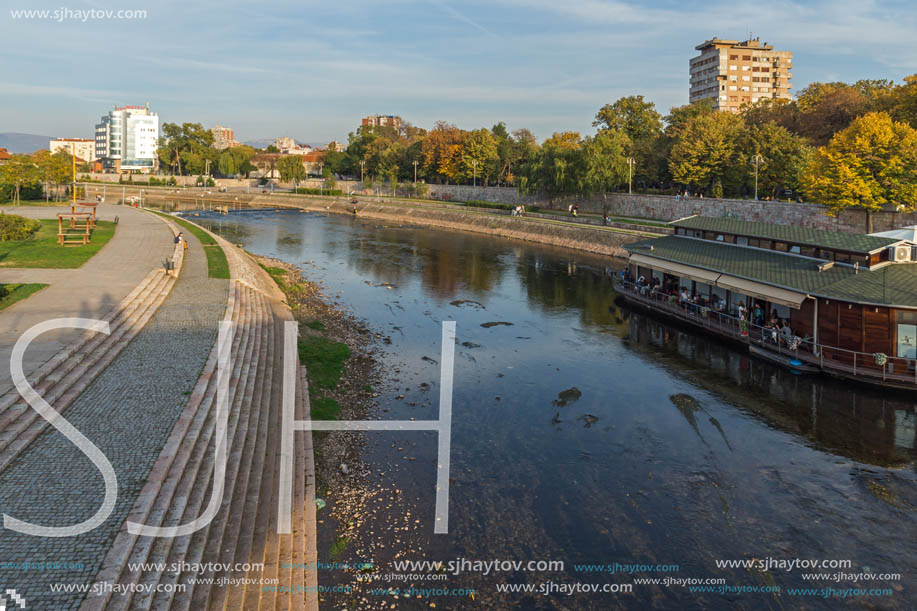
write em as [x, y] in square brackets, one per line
[82, 148]
[127, 139]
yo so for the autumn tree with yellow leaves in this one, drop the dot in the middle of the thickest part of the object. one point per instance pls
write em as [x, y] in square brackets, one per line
[869, 165]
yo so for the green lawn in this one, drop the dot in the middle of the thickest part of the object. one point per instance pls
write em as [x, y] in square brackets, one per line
[17, 292]
[217, 265]
[42, 249]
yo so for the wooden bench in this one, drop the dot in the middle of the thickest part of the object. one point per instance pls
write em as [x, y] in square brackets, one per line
[78, 231]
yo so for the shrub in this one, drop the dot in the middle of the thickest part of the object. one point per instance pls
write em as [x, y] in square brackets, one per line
[15, 228]
[310, 191]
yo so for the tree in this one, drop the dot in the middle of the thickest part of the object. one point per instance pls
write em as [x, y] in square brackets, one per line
[187, 145]
[901, 102]
[827, 108]
[19, 171]
[679, 116]
[631, 115]
[704, 155]
[479, 157]
[783, 156]
[640, 122]
[870, 164]
[440, 151]
[604, 161]
[227, 164]
[291, 168]
[556, 168]
[56, 169]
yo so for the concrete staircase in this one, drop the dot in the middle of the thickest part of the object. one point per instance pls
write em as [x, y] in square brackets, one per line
[65, 376]
[179, 487]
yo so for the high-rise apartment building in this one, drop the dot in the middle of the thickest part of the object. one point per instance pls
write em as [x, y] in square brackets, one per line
[81, 148]
[223, 137]
[730, 73]
[127, 139]
[381, 120]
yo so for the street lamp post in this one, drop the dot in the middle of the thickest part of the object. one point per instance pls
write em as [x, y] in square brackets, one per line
[630, 174]
[756, 159]
[474, 164]
[362, 163]
[415, 171]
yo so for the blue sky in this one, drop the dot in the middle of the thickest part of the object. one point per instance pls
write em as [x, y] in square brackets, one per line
[310, 69]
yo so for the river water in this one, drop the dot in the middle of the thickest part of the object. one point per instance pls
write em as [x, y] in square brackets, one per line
[594, 435]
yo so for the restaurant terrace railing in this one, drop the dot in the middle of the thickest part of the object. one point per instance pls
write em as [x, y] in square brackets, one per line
[873, 367]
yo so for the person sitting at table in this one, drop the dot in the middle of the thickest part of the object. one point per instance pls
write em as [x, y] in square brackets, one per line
[785, 331]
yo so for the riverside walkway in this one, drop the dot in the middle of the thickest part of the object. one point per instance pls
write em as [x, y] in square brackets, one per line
[139, 245]
[145, 396]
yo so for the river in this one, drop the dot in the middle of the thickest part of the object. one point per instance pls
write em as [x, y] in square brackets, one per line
[586, 433]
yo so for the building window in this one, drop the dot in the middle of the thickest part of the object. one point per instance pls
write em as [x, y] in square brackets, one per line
[734, 57]
[733, 67]
[907, 334]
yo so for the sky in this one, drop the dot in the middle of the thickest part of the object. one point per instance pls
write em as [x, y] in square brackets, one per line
[311, 69]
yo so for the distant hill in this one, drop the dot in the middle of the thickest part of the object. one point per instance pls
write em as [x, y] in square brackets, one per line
[260, 143]
[23, 143]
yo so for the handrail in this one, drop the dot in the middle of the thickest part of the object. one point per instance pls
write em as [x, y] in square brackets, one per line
[859, 364]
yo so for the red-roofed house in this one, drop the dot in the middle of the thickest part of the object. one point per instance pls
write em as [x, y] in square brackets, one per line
[4, 155]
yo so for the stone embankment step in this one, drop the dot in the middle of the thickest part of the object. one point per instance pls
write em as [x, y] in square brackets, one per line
[62, 379]
[162, 571]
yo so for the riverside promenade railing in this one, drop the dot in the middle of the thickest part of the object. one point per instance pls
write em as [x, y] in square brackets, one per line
[866, 366]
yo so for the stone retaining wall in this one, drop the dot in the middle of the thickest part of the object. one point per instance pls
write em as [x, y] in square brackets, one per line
[663, 207]
[588, 239]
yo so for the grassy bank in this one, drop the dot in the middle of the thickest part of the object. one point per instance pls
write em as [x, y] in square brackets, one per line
[323, 357]
[42, 250]
[217, 265]
[13, 293]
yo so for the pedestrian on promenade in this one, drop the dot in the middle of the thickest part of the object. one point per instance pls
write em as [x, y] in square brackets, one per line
[575, 209]
[570, 209]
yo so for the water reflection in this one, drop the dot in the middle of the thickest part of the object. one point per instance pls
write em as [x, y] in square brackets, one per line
[872, 426]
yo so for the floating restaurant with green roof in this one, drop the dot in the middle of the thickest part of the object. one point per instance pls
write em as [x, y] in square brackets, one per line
[844, 303]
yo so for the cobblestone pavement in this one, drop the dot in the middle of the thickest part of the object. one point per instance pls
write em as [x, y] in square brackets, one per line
[140, 243]
[128, 412]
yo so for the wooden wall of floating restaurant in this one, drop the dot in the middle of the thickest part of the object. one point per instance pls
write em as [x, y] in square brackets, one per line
[854, 327]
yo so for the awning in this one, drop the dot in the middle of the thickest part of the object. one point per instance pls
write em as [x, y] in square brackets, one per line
[761, 291]
[676, 269]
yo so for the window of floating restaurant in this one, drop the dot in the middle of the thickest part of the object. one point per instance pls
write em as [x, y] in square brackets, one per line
[907, 334]
[721, 295]
[701, 288]
[685, 283]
